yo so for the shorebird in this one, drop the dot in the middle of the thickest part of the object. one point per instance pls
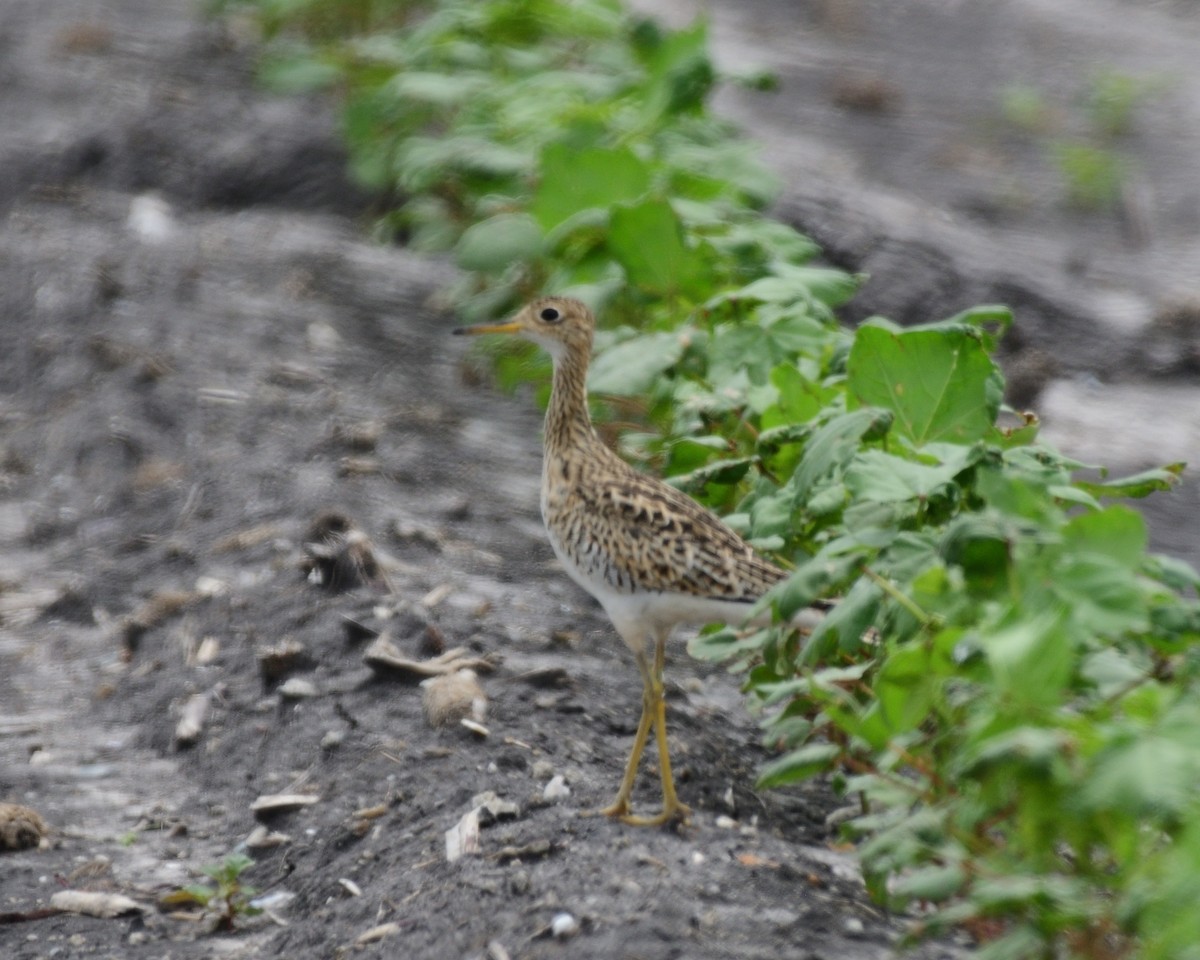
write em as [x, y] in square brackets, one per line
[652, 556]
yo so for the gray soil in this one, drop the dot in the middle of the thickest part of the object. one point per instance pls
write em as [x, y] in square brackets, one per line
[201, 353]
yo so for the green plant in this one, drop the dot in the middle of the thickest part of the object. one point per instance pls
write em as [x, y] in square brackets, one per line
[1094, 176]
[1091, 166]
[1025, 108]
[225, 897]
[1007, 680]
[1112, 100]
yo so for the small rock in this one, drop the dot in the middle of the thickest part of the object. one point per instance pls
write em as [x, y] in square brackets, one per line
[519, 883]
[350, 886]
[207, 651]
[332, 739]
[150, 218]
[297, 688]
[492, 808]
[556, 789]
[496, 951]
[563, 926]
[275, 900]
[726, 822]
[853, 927]
[542, 769]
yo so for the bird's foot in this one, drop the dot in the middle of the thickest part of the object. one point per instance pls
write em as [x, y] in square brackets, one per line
[677, 812]
[618, 808]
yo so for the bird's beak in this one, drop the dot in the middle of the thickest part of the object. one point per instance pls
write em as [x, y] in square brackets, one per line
[510, 327]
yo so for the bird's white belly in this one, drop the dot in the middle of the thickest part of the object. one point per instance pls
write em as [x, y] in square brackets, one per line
[637, 612]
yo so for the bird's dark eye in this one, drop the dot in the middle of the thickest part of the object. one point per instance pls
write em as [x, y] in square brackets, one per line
[550, 315]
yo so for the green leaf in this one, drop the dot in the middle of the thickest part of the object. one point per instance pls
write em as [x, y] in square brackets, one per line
[832, 446]
[721, 471]
[809, 581]
[1146, 776]
[937, 382]
[574, 180]
[880, 477]
[843, 627]
[631, 367]
[903, 689]
[829, 286]
[930, 883]
[647, 240]
[439, 89]
[300, 72]
[1117, 532]
[726, 644]
[1031, 660]
[1137, 485]
[811, 759]
[1101, 594]
[494, 244]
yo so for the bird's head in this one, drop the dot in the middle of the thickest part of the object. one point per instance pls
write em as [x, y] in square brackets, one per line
[556, 324]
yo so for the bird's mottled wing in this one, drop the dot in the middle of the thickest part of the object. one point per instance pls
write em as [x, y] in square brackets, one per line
[664, 540]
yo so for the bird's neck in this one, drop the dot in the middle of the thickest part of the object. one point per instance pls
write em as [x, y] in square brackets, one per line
[568, 423]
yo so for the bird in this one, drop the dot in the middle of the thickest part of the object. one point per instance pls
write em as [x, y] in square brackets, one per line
[652, 556]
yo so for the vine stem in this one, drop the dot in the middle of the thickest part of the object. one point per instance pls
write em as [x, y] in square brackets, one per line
[927, 621]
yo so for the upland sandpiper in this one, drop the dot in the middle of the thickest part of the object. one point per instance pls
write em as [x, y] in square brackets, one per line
[653, 557]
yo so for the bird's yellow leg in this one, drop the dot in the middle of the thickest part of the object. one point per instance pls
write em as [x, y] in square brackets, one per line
[673, 807]
[620, 806]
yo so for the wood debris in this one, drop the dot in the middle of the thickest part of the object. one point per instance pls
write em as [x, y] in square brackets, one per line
[462, 839]
[105, 905]
[278, 661]
[529, 851]
[375, 934]
[162, 606]
[250, 537]
[385, 658]
[274, 803]
[261, 838]
[362, 436]
[194, 715]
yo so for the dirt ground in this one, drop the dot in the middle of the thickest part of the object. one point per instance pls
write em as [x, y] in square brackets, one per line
[201, 356]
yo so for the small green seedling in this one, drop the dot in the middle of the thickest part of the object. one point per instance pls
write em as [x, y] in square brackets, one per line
[226, 897]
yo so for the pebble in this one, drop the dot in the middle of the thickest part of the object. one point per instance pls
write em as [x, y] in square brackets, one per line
[853, 927]
[542, 769]
[275, 900]
[297, 688]
[333, 738]
[564, 925]
[556, 789]
[519, 883]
